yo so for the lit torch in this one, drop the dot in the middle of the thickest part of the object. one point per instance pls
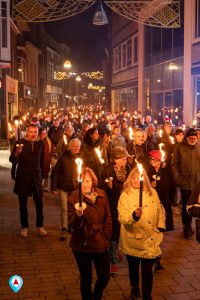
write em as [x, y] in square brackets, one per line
[183, 127]
[17, 123]
[9, 127]
[102, 161]
[171, 139]
[162, 152]
[130, 132]
[194, 123]
[65, 139]
[160, 133]
[79, 163]
[140, 168]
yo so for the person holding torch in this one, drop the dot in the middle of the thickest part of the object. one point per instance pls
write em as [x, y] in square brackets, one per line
[118, 170]
[64, 180]
[142, 224]
[90, 218]
[160, 176]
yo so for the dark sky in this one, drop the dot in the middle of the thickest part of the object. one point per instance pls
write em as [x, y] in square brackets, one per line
[87, 41]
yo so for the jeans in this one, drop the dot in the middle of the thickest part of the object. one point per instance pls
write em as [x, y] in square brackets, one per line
[146, 273]
[64, 210]
[102, 265]
[113, 252]
[185, 196]
[24, 211]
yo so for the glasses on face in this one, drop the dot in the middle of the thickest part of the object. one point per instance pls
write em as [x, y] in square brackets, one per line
[154, 159]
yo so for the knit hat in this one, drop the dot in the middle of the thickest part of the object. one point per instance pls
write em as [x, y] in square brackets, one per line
[155, 154]
[118, 152]
[191, 132]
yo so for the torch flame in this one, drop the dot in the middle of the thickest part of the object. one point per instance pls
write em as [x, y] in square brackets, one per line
[162, 152]
[79, 163]
[171, 139]
[9, 127]
[65, 139]
[160, 132]
[194, 122]
[140, 168]
[98, 152]
[130, 132]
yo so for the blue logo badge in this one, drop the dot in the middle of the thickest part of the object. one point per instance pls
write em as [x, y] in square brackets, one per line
[15, 283]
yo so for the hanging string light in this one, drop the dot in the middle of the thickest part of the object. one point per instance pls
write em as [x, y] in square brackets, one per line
[96, 75]
[156, 13]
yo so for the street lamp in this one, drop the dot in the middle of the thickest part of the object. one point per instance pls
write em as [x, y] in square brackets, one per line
[67, 64]
[100, 17]
[78, 79]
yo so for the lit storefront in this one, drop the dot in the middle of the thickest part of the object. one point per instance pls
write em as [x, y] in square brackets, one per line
[163, 73]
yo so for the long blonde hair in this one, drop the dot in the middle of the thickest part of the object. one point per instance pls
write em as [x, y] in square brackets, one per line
[146, 183]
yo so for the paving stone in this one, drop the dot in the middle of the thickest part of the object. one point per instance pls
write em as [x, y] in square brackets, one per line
[48, 267]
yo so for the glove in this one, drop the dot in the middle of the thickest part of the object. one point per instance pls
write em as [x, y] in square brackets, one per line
[135, 218]
[161, 229]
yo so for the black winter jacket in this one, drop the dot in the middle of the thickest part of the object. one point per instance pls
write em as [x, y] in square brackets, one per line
[185, 165]
[64, 175]
[29, 165]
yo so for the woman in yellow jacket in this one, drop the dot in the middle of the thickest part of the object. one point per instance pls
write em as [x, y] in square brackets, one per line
[141, 231]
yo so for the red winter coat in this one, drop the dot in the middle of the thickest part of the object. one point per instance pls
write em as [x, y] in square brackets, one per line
[93, 230]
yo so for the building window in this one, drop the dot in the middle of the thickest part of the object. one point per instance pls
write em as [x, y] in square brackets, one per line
[135, 50]
[129, 52]
[124, 56]
[21, 69]
[4, 24]
[197, 19]
[119, 57]
[115, 61]
[51, 72]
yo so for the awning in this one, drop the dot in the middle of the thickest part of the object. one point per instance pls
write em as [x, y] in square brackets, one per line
[5, 65]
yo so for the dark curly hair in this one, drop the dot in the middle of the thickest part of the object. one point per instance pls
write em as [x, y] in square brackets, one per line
[88, 136]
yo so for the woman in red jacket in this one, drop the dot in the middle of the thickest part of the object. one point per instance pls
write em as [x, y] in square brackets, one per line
[90, 238]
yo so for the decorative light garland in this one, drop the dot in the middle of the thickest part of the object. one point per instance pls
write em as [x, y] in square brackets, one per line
[96, 87]
[156, 13]
[96, 75]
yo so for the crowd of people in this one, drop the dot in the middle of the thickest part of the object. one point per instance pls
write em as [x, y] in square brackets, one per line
[119, 215]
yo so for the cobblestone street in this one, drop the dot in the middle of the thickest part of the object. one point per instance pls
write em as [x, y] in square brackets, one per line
[48, 268]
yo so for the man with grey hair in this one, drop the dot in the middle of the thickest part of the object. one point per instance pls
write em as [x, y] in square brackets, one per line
[64, 179]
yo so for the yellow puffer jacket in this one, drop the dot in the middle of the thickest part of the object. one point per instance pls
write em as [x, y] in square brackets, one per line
[141, 238]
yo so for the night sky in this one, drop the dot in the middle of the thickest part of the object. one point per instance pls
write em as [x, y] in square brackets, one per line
[87, 41]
